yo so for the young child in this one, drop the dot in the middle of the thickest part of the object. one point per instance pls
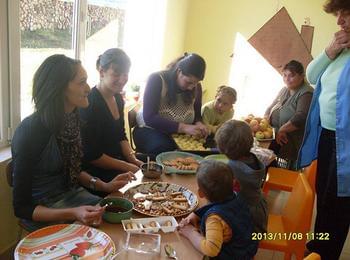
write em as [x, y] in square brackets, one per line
[218, 111]
[225, 223]
[235, 139]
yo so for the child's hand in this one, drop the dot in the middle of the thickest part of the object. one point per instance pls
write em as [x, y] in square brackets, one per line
[184, 222]
[190, 219]
[187, 230]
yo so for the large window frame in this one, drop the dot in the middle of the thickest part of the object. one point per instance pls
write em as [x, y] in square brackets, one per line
[9, 77]
[10, 44]
[10, 56]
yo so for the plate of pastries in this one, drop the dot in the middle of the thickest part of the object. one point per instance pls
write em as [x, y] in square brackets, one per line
[162, 199]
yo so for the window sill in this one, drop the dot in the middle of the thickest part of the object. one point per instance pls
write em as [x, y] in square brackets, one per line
[5, 154]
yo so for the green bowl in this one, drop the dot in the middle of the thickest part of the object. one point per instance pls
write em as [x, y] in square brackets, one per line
[217, 157]
[117, 209]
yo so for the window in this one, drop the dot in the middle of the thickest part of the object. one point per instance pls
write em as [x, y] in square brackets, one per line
[81, 29]
[46, 29]
[256, 85]
[4, 80]
[105, 29]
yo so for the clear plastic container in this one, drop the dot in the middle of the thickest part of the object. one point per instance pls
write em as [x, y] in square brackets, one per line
[143, 243]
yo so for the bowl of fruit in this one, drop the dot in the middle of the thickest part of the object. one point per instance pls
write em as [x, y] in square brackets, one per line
[261, 128]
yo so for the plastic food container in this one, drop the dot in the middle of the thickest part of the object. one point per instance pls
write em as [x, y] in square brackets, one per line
[149, 225]
[143, 243]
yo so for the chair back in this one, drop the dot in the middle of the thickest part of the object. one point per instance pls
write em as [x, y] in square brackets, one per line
[297, 213]
[313, 256]
[310, 173]
[132, 113]
[9, 173]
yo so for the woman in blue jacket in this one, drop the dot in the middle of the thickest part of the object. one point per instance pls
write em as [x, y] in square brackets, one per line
[327, 137]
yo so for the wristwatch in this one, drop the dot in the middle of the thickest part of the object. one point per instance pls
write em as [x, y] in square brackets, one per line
[92, 183]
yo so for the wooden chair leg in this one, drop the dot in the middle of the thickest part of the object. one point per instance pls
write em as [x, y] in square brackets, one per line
[299, 256]
[287, 256]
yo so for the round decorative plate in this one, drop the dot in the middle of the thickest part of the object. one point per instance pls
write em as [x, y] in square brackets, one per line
[168, 158]
[65, 241]
[162, 199]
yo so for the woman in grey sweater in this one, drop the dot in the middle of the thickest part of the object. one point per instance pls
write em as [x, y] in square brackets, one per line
[288, 112]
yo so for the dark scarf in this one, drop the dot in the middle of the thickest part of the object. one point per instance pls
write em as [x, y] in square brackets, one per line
[69, 143]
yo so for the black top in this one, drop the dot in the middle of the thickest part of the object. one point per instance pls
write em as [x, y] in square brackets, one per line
[101, 133]
[37, 167]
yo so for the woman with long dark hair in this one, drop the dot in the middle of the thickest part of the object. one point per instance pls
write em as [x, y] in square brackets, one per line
[171, 104]
[46, 151]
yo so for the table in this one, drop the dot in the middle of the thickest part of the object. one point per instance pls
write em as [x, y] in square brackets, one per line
[182, 246]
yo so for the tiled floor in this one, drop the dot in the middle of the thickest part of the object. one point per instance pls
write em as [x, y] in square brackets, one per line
[276, 201]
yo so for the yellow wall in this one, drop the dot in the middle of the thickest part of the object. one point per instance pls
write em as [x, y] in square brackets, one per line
[175, 29]
[212, 26]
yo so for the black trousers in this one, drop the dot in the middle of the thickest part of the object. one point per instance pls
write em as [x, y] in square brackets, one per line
[333, 212]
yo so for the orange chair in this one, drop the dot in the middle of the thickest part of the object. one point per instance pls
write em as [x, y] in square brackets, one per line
[313, 256]
[283, 179]
[287, 232]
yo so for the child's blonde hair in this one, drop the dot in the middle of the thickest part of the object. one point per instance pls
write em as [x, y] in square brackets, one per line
[234, 138]
[227, 91]
[215, 180]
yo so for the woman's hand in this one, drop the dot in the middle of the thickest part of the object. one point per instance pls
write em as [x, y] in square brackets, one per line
[341, 40]
[137, 162]
[282, 138]
[89, 215]
[203, 129]
[132, 166]
[119, 181]
[188, 129]
[132, 159]
[195, 130]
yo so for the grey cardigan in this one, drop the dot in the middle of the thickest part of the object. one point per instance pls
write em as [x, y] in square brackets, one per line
[292, 108]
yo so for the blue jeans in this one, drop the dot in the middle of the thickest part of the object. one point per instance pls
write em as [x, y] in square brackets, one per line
[74, 198]
[153, 142]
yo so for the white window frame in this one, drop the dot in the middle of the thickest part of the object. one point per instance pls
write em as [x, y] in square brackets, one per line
[14, 46]
[79, 27]
[10, 76]
[5, 78]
